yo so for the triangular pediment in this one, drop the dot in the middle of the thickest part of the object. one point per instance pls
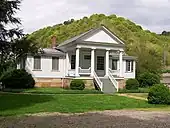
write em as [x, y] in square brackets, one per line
[98, 35]
[101, 36]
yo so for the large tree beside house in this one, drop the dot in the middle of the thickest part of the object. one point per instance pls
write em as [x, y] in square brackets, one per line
[146, 45]
[12, 43]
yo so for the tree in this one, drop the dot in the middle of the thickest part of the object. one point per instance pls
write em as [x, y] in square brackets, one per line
[8, 9]
[23, 46]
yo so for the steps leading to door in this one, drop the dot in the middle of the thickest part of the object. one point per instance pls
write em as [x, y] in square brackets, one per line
[108, 87]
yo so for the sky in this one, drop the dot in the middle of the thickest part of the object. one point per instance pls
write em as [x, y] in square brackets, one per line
[153, 15]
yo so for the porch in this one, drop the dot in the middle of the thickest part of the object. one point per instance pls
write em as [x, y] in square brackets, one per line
[87, 62]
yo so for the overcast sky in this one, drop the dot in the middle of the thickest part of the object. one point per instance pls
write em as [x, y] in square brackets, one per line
[150, 14]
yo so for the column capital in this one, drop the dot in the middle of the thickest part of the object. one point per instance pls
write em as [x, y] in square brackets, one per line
[120, 50]
[78, 47]
[108, 49]
[93, 48]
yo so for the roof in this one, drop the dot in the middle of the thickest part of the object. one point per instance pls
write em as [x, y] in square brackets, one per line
[52, 51]
[49, 52]
[91, 32]
[125, 57]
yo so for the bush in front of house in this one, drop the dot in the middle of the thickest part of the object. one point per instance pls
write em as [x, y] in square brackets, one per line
[132, 84]
[148, 79]
[77, 84]
[159, 94]
[17, 79]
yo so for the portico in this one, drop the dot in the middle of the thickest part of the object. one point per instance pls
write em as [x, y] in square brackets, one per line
[90, 60]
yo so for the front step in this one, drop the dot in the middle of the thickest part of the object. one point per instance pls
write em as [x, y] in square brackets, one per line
[108, 87]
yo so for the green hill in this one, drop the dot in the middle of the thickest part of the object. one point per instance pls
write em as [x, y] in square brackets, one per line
[147, 46]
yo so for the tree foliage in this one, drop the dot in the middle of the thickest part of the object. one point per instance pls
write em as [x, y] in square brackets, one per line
[145, 45]
[8, 9]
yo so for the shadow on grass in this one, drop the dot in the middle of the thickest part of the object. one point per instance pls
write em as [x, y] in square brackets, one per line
[53, 91]
[13, 102]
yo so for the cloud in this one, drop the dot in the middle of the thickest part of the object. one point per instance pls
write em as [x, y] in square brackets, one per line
[151, 14]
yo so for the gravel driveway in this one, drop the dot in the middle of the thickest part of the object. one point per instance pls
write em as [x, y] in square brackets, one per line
[105, 119]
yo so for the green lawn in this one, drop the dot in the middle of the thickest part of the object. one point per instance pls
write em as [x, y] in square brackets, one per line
[18, 104]
[54, 91]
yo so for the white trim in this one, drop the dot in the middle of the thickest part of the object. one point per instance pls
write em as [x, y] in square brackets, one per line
[107, 63]
[77, 61]
[113, 34]
[121, 64]
[100, 47]
[92, 61]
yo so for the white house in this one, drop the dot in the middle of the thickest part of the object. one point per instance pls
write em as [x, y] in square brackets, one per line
[96, 56]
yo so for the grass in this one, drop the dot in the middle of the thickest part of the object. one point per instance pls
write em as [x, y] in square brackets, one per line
[54, 91]
[19, 104]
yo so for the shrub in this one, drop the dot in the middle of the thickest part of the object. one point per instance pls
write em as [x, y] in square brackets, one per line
[148, 79]
[159, 94]
[132, 84]
[77, 84]
[17, 79]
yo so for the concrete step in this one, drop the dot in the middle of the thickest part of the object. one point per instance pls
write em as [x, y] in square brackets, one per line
[108, 87]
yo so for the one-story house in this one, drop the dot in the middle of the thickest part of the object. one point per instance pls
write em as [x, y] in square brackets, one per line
[96, 56]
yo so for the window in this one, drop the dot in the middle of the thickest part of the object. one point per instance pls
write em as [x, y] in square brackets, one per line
[87, 57]
[114, 64]
[100, 63]
[55, 63]
[73, 61]
[37, 62]
[129, 66]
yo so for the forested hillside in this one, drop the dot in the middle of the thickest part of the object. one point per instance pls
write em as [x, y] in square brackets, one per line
[151, 49]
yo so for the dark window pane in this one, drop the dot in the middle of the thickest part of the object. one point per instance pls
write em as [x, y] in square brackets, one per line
[114, 64]
[73, 61]
[100, 63]
[87, 57]
[55, 63]
[37, 62]
[129, 66]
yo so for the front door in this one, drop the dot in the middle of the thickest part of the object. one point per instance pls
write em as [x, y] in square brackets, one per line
[100, 65]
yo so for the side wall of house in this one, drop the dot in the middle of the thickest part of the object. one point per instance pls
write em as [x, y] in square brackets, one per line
[126, 74]
[46, 67]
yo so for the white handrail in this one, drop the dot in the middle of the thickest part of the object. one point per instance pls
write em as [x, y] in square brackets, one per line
[99, 82]
[113, 80]
[84, 71]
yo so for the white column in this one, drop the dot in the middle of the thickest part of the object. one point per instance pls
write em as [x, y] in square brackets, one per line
[92, 61]
[67, 63]
[134, 68]
[107, 63]
[120, 64]
[77, 61]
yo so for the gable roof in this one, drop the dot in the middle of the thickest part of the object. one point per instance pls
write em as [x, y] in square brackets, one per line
[90, 33]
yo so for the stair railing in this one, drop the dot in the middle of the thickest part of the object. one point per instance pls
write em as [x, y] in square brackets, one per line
[113, 80]
[97, 79]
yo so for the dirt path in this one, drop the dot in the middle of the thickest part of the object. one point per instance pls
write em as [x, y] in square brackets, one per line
[109, 119]
[130, 96]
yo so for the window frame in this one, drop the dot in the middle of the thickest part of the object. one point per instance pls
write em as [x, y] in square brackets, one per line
[34, 65]
[129, 67]
[58, 61]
